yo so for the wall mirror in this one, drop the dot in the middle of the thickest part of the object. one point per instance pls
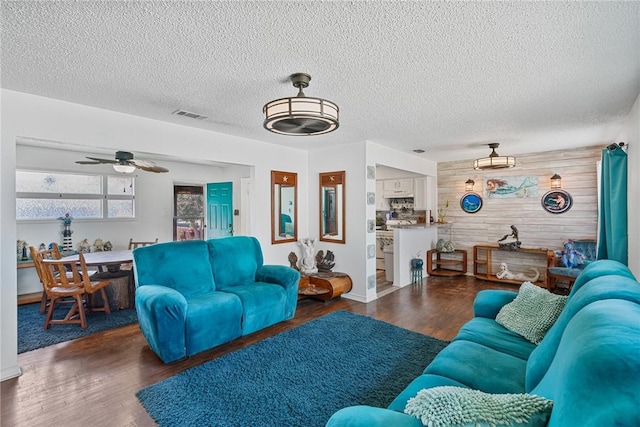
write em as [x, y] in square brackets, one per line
[284, 207]
[332, 207]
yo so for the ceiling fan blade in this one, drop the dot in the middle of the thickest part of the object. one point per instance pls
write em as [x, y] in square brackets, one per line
[147, 165]
[154, 168]
[97, 161]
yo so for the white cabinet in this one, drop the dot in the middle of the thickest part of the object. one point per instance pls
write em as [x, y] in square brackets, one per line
[382, 204]
[420, 194]
[402, 187]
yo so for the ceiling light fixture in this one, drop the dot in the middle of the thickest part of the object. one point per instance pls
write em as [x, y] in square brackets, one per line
[494, 161]
[300, 115]
[124, 168]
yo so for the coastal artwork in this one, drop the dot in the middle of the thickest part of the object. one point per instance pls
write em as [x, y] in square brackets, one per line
[511, 187]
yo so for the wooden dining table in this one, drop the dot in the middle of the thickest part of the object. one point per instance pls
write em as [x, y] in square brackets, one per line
[111, 260]
[121, 291]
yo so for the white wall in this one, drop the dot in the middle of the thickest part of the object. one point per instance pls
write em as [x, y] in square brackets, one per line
[350, 257]
[630, 134]
[36, 117]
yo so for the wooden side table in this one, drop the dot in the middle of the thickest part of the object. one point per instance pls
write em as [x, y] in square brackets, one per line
[324, 285]
[453, 264]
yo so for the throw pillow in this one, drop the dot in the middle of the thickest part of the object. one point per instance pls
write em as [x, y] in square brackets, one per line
[532, 312]
[457, 407]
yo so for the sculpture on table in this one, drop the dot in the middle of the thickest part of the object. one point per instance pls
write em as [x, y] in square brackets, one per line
[325, 262]
[445, 246]
[293, 260]
[308, 263]
[108, 246]
[99, 245]
[84, 247]
[504, 273]
[67, 244]
[21, 250]
[510, 242]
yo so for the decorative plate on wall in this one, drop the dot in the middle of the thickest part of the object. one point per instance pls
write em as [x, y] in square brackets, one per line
[471, 202]
[556, 201]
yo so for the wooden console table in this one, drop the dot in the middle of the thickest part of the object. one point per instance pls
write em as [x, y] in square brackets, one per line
[324, 286]
[448, 265]
[482, 258]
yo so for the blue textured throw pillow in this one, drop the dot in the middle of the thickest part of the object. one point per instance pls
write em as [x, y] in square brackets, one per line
[449, 406]
[532, 312]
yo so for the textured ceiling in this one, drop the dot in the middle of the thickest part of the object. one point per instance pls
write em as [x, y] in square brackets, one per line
[446, 77]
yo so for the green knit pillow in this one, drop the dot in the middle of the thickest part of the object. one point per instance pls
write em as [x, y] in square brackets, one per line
[449, 406]
[532, 312]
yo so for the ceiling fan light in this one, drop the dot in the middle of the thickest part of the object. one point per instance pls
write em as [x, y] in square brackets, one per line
[494, 161]
[124, 168]
[301, 115]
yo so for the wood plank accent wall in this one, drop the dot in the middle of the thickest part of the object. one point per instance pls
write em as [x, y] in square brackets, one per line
[537, 228]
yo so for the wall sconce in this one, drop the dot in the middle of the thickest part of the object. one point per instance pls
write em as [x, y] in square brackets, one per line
[556, 181]
[468, 185]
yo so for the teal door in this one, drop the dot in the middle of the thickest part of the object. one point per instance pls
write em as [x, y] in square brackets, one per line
[220, 209]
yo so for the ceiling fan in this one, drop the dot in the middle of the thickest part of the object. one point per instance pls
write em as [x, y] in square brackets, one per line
[125, 163]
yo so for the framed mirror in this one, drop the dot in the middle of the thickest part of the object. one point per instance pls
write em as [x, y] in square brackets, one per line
[284, 207]
[332, 207]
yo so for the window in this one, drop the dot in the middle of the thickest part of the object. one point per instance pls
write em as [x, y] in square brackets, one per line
[188, 219]
[50, 195]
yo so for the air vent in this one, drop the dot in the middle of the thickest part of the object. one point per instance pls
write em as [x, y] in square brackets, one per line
[190, 114]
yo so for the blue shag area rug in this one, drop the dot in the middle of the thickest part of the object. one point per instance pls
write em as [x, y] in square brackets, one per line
[297, 378]
[32, 335]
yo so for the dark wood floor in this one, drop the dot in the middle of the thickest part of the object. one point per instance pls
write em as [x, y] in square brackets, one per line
[93, 380]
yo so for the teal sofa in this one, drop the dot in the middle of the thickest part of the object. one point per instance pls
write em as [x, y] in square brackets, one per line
[194, 295]
[588, 363]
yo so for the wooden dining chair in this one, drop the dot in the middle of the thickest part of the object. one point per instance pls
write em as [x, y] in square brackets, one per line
[53, 253]
[92, 287]
[133, 245]
[61, 280]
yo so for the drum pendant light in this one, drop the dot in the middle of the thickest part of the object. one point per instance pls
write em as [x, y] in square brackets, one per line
[494, 161]
[300, 115]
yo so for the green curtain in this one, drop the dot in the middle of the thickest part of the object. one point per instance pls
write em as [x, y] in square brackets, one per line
[614, 238]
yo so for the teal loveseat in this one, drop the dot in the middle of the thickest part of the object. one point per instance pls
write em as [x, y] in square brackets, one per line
[194, 295]
[588, 363]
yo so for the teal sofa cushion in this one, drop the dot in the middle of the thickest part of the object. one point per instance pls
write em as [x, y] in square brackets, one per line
[491, 334]
[241, 252]
[479, 367]
[594, 379]
[183, 266]
[421, 382]
[212, 319]
[263, 304]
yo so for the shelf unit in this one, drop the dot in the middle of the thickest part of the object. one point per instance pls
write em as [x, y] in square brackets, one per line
[482, 258]
[447, 265]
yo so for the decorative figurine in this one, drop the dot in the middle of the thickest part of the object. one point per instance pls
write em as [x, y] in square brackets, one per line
[445, 246]
[42, 247]
[308, 263]
[108, 246]
[84, 247]
[99, 245]
[67, 244]
[504, 273]
[293, 260]
[510, 242]
[325, 262]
